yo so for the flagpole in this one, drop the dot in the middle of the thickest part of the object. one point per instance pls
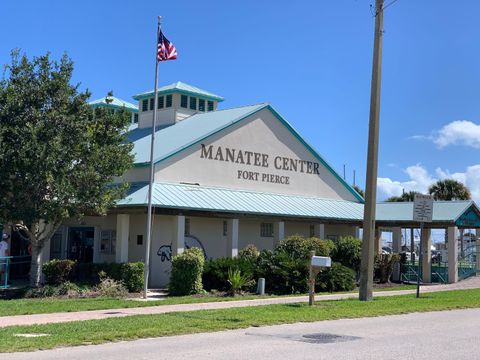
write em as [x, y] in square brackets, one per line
[146, 269]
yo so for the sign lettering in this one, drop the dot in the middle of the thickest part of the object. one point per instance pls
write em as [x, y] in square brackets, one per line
[257, 159]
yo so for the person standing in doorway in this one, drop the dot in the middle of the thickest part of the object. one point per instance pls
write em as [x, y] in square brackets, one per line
[3, 254]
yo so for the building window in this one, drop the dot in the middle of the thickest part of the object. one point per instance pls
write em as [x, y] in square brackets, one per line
[139, 239]
[201, 105]
[107, 241]
[225, 228]
[145, 105]
[161, 103]
[169, 101]
[332, 237]
[187, 227]
[184, 101]
[312, 230]
[135, 118]
[266, 229]
[193, 103]
[210, 106]
[152, 102]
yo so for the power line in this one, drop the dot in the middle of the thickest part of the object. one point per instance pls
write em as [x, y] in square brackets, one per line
[375, 13]
[390, 4]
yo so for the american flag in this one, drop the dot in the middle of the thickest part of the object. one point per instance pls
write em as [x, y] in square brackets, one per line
[166, 50]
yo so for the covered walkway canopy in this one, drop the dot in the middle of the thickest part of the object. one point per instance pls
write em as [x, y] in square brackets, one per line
[208, 199]
[215, 201]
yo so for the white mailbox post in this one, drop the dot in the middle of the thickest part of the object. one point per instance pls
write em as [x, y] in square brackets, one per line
[317, 263]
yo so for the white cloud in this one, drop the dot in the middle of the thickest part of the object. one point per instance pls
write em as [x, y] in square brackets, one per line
[458, 132]
[419, 179]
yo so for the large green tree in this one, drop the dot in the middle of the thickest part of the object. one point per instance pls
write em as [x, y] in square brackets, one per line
[58, 157]
[449, 189]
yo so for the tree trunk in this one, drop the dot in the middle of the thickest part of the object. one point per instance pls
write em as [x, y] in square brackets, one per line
[39, 234]
[36, 265]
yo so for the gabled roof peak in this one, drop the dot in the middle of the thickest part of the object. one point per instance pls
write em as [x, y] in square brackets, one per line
[113, 102]
[180, 87]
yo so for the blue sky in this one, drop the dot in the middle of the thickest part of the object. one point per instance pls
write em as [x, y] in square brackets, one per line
[310, 59]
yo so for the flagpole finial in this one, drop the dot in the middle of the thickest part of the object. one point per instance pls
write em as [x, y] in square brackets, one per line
[159, 19]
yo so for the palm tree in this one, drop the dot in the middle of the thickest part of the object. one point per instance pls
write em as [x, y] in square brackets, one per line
[449, 189]
[359, 190]
[405, 197]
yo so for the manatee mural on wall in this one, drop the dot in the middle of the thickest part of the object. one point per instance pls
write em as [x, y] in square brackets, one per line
[165, 251]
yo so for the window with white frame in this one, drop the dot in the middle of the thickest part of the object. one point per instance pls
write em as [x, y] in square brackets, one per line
[108, 241]
[210, 105]
[168, 100]
[145, 105]
[266, 229]
[161, 102]
[193, 103]
[184, 101]
[201, 105]
[225, 227]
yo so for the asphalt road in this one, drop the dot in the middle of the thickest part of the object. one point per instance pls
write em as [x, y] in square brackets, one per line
[435, 335]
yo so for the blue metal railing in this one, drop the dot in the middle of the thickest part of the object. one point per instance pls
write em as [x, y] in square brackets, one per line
[5, 267]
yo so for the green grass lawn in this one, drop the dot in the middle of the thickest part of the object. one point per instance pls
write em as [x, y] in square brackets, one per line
[46, 306]
[142, 326]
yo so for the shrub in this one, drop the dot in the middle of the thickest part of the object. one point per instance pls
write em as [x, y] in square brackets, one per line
[286, 268]
[131, 274]
[215, 272]
[238, 281]
[109, 287]
[186, 275]
[336, 278]
[283, 273]
[384, 264]
[58, 271]
[66, 289]
[297, 246]
[249, 252]
[347, 251]
[40, 292]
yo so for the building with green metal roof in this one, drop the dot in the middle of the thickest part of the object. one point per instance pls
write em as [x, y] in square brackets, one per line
[226, 178]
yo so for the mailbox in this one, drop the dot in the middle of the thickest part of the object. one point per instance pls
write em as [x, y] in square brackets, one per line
[321, 261]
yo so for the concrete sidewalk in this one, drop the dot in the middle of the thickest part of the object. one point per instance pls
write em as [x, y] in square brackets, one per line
[5, 321]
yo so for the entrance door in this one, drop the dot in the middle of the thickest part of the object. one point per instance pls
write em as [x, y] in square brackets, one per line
[80, 244]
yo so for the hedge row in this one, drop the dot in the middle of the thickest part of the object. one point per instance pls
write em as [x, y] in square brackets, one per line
[58, 271]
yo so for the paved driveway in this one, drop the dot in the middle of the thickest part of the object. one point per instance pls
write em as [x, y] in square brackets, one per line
[437, 335]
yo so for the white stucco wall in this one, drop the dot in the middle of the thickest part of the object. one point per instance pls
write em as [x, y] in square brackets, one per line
[262, 133]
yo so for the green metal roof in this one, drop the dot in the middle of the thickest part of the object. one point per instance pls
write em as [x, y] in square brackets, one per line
[174, 138]
[214, 199]
[114, 103]
[443, 211]
[180, 88]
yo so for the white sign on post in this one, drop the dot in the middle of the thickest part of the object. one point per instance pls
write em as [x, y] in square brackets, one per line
[321, 261]
[422, 208]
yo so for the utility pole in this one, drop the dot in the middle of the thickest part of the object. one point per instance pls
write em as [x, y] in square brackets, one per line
[368, 243]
